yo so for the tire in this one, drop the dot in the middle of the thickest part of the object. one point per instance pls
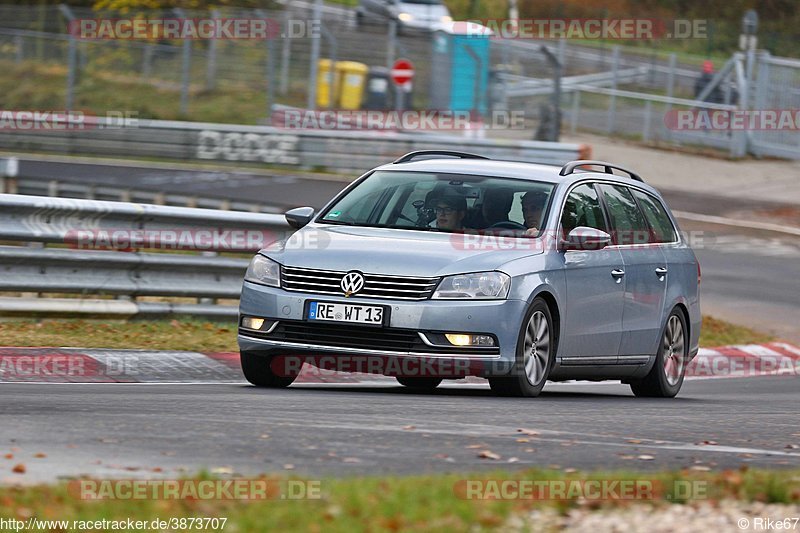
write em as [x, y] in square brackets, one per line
[419, 383]
[534, 358]
[257, 370]
[666, 377]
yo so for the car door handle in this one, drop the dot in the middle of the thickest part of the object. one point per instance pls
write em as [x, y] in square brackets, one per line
[617, 273]
[661, 272]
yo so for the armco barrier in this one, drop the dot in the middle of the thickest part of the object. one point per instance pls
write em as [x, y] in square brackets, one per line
[98, 274]
[342, 151]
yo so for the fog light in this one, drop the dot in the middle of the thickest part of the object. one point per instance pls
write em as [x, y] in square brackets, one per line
[251, 322]
[461, 339]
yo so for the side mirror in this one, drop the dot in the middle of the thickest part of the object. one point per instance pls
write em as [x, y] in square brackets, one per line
[299, 216]
[584, 238]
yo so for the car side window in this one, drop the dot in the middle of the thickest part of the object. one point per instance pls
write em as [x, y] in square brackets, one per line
[582, 208]
[627, 221]
[656, 215]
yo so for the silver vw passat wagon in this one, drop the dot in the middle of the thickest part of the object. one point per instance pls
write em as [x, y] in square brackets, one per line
[445, 264]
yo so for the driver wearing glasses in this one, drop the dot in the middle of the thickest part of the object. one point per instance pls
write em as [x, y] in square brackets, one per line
[450, 212]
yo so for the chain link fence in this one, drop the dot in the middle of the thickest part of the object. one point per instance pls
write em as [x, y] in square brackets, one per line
[241, 80]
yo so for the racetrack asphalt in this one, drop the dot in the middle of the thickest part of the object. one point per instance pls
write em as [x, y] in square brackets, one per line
[154, 430]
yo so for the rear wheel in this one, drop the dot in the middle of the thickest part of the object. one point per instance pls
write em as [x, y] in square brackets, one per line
[666, 377]
[419, 383]
[535, 355]
[258, 371]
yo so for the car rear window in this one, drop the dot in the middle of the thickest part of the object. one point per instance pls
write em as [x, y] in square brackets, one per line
[656, 215]
[627, 221]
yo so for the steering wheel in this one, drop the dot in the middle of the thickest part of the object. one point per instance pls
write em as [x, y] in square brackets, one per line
[507, 224]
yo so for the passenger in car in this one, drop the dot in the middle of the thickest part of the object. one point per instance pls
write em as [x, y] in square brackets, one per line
[450, 212]
[533, 203]
[493, 209]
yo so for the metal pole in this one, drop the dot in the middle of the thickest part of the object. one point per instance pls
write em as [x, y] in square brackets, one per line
[646, 126]
[185, 69]
[18, 44]
[270, 76]
[313, 69]
[329, 37]
[211, 61]
[670, 88]
[391, 45]
[186, 75]
[72, 57]
[73, 53]
[612, 105]
[576, 106]
[285, 55]
[555, 126]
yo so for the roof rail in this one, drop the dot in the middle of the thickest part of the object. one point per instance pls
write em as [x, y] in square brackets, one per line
[410, 156]
[570, 168]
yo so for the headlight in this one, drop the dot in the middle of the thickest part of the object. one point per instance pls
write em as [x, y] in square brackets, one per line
[446, 18]
[264, 271]
[405, 17]
[480, 285]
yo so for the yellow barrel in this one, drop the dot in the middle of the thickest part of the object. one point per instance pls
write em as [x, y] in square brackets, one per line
[353, 78]
[323, 84]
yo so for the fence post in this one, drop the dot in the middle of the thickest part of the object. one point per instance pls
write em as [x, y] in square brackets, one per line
[19, 50]
[72, 65]
[646, 126]
[186, 65]
[147, 61]
[286, 52]
[576, 106]
[670, 87]
[612, 107]
[333, 46]
[211, 60]
[270, 77]
[313, 68]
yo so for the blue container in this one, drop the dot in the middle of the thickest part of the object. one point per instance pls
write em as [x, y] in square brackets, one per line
[460, 65]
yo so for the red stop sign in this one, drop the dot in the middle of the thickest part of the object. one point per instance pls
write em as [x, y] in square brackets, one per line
[402, 71]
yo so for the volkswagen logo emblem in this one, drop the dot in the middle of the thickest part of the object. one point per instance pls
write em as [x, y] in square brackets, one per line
[352, 282]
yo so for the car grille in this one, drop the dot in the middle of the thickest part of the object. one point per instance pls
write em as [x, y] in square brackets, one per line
[375, 285]
[369, 338]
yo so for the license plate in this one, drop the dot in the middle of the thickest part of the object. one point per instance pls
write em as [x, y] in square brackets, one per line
[354, 313]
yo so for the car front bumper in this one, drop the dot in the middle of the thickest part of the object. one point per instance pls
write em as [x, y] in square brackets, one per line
[499, 318]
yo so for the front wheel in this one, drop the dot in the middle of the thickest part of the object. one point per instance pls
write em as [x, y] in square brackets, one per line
[666, 377]
[419, 383]
[257, 370]
[536, 350]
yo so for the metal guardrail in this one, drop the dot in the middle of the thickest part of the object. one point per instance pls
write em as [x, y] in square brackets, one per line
[36, 186]
[344, 151]
[79, 267]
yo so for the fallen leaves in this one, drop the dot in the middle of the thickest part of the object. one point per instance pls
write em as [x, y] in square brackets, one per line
[529, 432]
[488, 454]
[19, 469]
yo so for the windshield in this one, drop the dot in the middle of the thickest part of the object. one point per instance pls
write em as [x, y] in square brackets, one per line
[444, 202]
